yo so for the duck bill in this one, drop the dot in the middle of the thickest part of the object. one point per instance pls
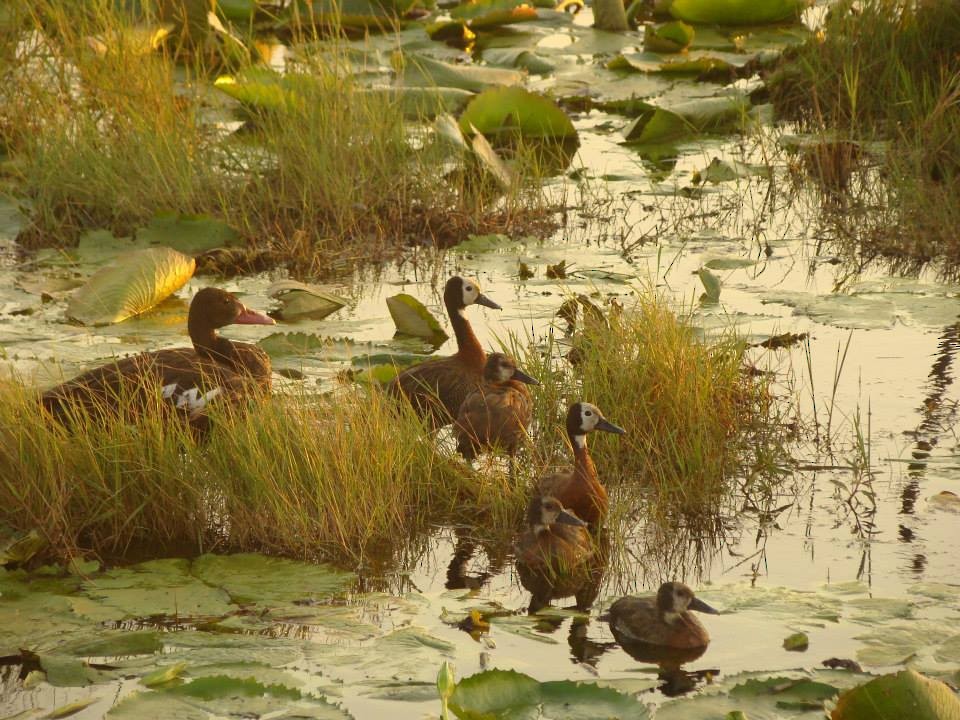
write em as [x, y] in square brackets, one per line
[609, 427]
[252, 317]
[520, 375]
[700, 606]
[487, 302]
[568, 518]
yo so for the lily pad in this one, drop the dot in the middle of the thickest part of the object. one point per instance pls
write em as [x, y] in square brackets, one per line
[190, 234]
[518, 58]
[492, 13]
[698, 61]
[134, 283]
[516, 110]
[906, 694]
[422, 71]
[661, 124]
[736, 12]
[302, 300]
[412, 317]
[670, 37]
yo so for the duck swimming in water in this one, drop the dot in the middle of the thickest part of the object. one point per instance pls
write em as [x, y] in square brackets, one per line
[579, 489]
[437, 388]
[187, 378]
[498, 413]
[554, 553]
[665, 620]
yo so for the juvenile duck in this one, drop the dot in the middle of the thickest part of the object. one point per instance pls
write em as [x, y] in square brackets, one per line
[437, 388]
[498, 413]
[188, 378]
[579, 489]
[664, 620]
[553, 554]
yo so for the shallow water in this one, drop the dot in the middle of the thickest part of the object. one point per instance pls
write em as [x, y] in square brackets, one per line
[901, 335]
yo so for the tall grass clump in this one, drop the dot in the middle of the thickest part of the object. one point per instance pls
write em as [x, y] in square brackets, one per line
[701, 430]
[109, 124]
[889, 70]
[344, 477]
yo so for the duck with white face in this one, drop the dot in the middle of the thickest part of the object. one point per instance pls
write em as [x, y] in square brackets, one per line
[497, 414]
[555, 555]
[579, 488]
[665, 620]
[437, 388]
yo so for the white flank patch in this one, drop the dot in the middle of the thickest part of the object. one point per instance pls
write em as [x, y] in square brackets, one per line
[170, 390]
[192, 400]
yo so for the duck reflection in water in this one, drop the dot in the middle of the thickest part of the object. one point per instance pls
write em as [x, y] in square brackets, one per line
[663, 630]
[556, 557]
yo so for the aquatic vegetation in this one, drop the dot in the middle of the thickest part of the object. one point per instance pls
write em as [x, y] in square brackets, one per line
[884, 70]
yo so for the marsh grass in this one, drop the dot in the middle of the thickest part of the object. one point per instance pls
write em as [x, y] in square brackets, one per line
[344, 476]
[888, 70]
[110, 138]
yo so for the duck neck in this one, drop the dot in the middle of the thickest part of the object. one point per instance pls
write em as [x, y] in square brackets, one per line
[468, 347]
[583, 467]
[208, 343]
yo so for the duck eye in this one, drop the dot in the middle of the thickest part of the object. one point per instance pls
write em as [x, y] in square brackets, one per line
[588, 413]
[468, 288]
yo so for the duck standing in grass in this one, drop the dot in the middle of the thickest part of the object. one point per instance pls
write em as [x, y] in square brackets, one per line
[186, 378]
[664, 621]
[579, 489]
[498, 413]
[553, 555]
[437, 388]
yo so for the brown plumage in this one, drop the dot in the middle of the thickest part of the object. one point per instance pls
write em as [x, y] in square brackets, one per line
[664, 620]
[579, 489]
[187, 378]
[437, 388]
[553, 554]
[498, 413]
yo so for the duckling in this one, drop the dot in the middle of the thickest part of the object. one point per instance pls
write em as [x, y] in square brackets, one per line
[664, 620]
[498, 413]
[553, 555]
[580, 489]
[437, 388]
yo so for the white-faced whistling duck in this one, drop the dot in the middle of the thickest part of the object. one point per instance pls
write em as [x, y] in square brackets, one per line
[437, 388]
[665, 620]
[553, 554]
[579, 489]
[187, 378]
[498, 413]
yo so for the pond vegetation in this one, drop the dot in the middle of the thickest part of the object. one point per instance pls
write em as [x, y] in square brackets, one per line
[666, 246]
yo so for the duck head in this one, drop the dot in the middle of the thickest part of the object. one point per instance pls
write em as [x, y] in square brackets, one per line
[215, 308]
[583, 418]
[461, 292]
[675, 598]
[501, 368]
[546, 511]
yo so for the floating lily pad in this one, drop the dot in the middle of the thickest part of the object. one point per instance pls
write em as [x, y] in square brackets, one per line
[491, 13]
[906, 694]
[736, 12]
[656, 125]
[302, 300]
[698, 61]
[516, 110]
[412, 317]
[670, 37]
[190, 234]
[133, 284]
[518, 58]
[422, 71]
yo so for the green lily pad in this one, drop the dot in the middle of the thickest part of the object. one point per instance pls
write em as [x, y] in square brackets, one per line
[518, 58]
[134, 283]
[698, 61]
[302, 300]
[656, 125]
[906, 694]
[117, 644]
[189, 234]
[492, 13]
[670, 37]
[798, 642]
[266, 581]
[412, 317]
[729, 263]
[422, 71]
[711, 286]
[736, 12]
[516, 110]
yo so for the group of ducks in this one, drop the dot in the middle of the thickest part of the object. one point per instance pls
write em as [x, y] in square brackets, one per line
[485, 398]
